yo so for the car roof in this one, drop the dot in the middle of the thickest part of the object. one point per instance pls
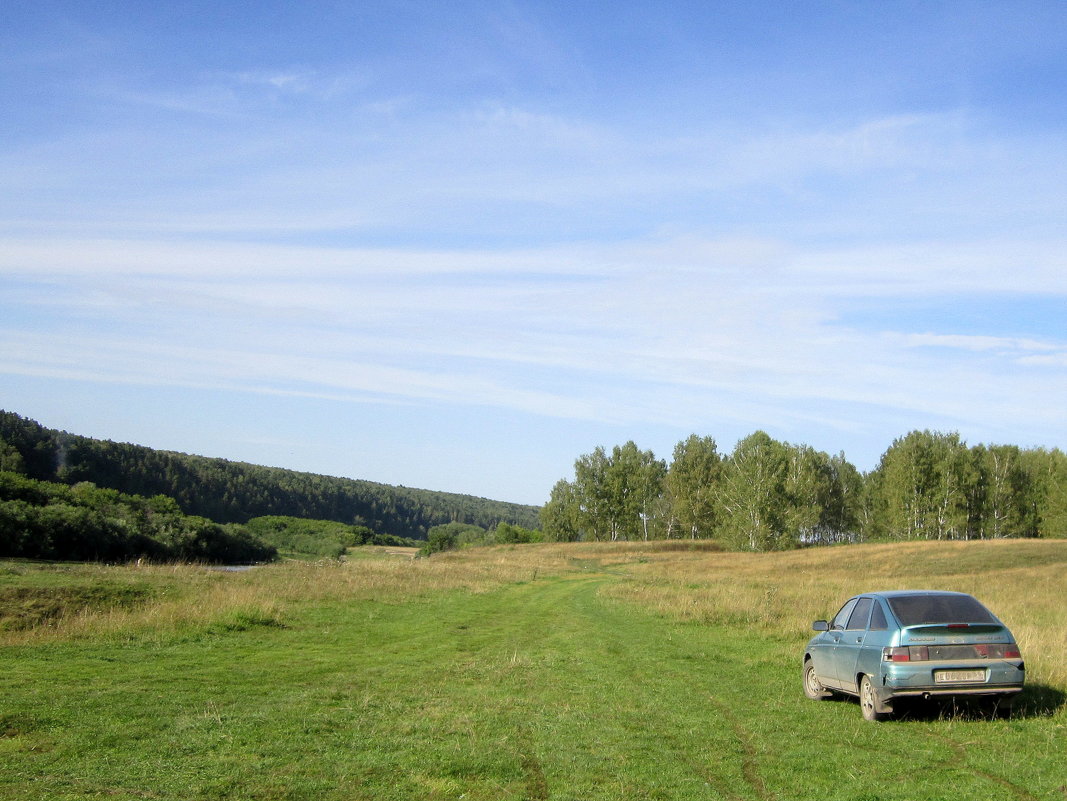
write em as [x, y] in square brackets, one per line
[899, 593]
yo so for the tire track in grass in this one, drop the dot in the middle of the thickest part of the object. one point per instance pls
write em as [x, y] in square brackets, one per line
[713, 780]
[749, 761]
[958, 761]
[536, 786]
[632, 673]
[670, 672]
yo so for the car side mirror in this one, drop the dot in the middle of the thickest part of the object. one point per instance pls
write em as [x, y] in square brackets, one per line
[820, 625]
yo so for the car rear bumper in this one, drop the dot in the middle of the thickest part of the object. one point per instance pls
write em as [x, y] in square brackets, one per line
[947, 691]
[918, 679]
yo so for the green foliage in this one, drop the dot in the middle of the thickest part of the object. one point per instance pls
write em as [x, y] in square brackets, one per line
[772, 495]
[450, 536]
[233, 492]
[561, 515]
[508, 534]
[46, 520]
[612, 497]
[462, 535]
[10, 459]
[753, 497]
[767, 495]
[931, 485]
[317, 538]
[1046, 472]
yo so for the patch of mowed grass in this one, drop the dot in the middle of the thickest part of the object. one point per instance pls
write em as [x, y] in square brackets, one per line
[507, 673]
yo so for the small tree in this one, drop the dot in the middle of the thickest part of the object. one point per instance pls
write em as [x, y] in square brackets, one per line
[561, 515]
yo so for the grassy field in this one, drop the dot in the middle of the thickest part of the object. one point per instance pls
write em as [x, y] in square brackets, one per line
[531, 672]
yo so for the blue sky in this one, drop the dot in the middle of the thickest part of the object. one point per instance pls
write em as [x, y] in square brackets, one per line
[455, 246]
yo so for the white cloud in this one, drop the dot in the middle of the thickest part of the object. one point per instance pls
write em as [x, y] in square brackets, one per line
[1005, 345]
[669, 331]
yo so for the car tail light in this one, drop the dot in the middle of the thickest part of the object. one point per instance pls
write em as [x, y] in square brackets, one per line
[997, 651]
[1004, 652]
[911, 653]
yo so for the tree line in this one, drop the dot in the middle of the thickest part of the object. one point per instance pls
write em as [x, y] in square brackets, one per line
[235, 492]
[772, 495]
[454, 536]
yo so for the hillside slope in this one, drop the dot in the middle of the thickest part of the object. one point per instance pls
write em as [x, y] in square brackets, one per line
[234, 492]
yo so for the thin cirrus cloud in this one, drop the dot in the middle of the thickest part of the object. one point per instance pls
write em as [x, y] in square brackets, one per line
[420, 325]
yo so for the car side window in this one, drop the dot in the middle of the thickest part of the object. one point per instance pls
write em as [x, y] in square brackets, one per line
[878, 621]
[857, 621]
[842, 617]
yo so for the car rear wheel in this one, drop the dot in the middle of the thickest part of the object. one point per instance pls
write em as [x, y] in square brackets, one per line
[812, 686]
[869, 705]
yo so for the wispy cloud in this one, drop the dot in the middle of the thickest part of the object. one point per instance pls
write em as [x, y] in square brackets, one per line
[654, 330]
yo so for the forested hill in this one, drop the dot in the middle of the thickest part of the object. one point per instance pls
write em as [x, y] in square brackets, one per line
[234, 492]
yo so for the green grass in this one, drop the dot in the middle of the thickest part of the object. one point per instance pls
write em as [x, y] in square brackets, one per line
[554, 687]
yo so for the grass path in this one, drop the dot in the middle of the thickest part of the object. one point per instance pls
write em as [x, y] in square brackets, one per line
[538, 690]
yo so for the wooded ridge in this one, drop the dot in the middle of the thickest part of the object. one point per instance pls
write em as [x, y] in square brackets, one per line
[235, 492]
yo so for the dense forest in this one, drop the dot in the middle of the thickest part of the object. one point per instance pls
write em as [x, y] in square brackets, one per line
[84, 522]
[771, 495]
[234, 492]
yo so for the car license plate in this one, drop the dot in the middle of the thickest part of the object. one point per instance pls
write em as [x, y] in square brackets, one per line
[956, 676]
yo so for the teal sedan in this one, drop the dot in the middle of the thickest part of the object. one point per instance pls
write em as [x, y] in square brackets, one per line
[883, 646]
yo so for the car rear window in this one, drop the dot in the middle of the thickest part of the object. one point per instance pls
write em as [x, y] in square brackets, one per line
[915, 610]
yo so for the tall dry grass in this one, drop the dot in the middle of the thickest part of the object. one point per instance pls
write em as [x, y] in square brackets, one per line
[1024, 582]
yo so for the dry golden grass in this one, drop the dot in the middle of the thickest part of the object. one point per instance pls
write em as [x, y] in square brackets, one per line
[1024, 582]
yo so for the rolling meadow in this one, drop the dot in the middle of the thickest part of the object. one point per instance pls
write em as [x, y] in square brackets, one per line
[665, 670]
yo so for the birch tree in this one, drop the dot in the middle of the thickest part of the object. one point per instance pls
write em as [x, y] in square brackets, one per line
[752, 495]
[692, 484]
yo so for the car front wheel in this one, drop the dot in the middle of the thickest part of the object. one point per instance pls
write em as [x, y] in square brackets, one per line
[869, 701]
[812, 686]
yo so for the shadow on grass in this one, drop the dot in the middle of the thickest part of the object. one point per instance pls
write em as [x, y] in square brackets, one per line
[1035, 701]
